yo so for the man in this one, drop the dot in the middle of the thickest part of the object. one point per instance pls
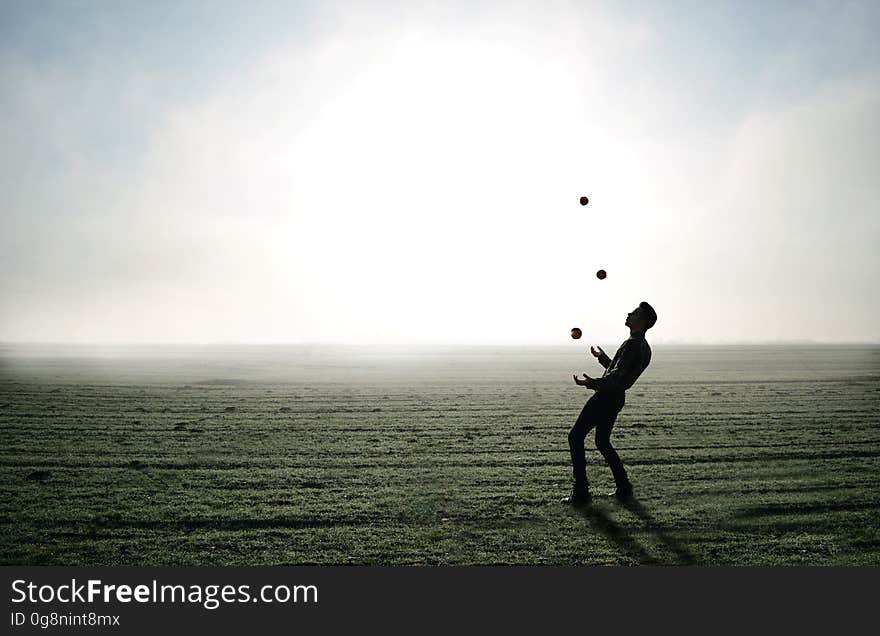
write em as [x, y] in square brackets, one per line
[602, 408]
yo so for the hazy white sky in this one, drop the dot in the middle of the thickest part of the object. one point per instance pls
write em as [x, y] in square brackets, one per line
[405, 172]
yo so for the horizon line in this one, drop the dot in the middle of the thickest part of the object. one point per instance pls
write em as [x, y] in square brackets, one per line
[698, 343]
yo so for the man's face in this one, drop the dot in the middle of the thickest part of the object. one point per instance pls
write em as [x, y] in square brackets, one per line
[634, 320]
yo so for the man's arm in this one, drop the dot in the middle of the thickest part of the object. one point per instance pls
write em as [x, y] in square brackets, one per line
[622, 375]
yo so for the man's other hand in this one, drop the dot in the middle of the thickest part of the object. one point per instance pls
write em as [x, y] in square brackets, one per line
[587, 381]
[597, 351]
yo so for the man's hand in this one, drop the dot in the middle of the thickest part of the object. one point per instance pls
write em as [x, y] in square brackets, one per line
[587, 381]
[597, 351]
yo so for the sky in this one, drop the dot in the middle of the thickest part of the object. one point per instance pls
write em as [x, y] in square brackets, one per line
[409, 172]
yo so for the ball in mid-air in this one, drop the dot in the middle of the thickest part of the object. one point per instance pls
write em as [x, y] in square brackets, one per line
[575, 333]
[584, 200]
[601, 274]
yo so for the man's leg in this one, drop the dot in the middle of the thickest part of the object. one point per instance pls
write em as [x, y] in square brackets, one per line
[585, 422]
[603, 443]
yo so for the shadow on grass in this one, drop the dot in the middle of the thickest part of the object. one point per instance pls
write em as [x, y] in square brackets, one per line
[809, 507]
[185, 525]
[681, 552]
[600, 521]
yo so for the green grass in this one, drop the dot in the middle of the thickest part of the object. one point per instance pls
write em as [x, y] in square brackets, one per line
[468, 469]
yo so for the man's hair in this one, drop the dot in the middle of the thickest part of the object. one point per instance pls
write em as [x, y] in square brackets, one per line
[648, 314]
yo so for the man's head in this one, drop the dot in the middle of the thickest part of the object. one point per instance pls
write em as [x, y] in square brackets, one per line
[641, 318]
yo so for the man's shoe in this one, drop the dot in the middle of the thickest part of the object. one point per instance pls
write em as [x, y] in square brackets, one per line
[577, 499]
[622, 492]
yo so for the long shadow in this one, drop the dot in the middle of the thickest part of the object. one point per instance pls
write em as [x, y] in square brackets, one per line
[681, 552]
[200, 523]
[808, 507]
[617, 534]
[599, 519]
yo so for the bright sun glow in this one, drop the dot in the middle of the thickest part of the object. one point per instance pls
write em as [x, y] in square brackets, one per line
[438, 194]
[410, 173]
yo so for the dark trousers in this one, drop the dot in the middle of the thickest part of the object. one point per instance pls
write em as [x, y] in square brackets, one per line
[599, 412]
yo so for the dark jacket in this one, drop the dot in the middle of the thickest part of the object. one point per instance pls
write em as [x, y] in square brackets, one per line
[621, 372]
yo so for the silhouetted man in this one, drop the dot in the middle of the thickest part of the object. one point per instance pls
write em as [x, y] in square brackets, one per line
[600, 411]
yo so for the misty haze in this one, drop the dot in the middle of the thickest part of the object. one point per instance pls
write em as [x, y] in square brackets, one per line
[367, 283]
[261, 455]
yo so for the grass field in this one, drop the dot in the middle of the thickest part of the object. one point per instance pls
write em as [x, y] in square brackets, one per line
[305, 455]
